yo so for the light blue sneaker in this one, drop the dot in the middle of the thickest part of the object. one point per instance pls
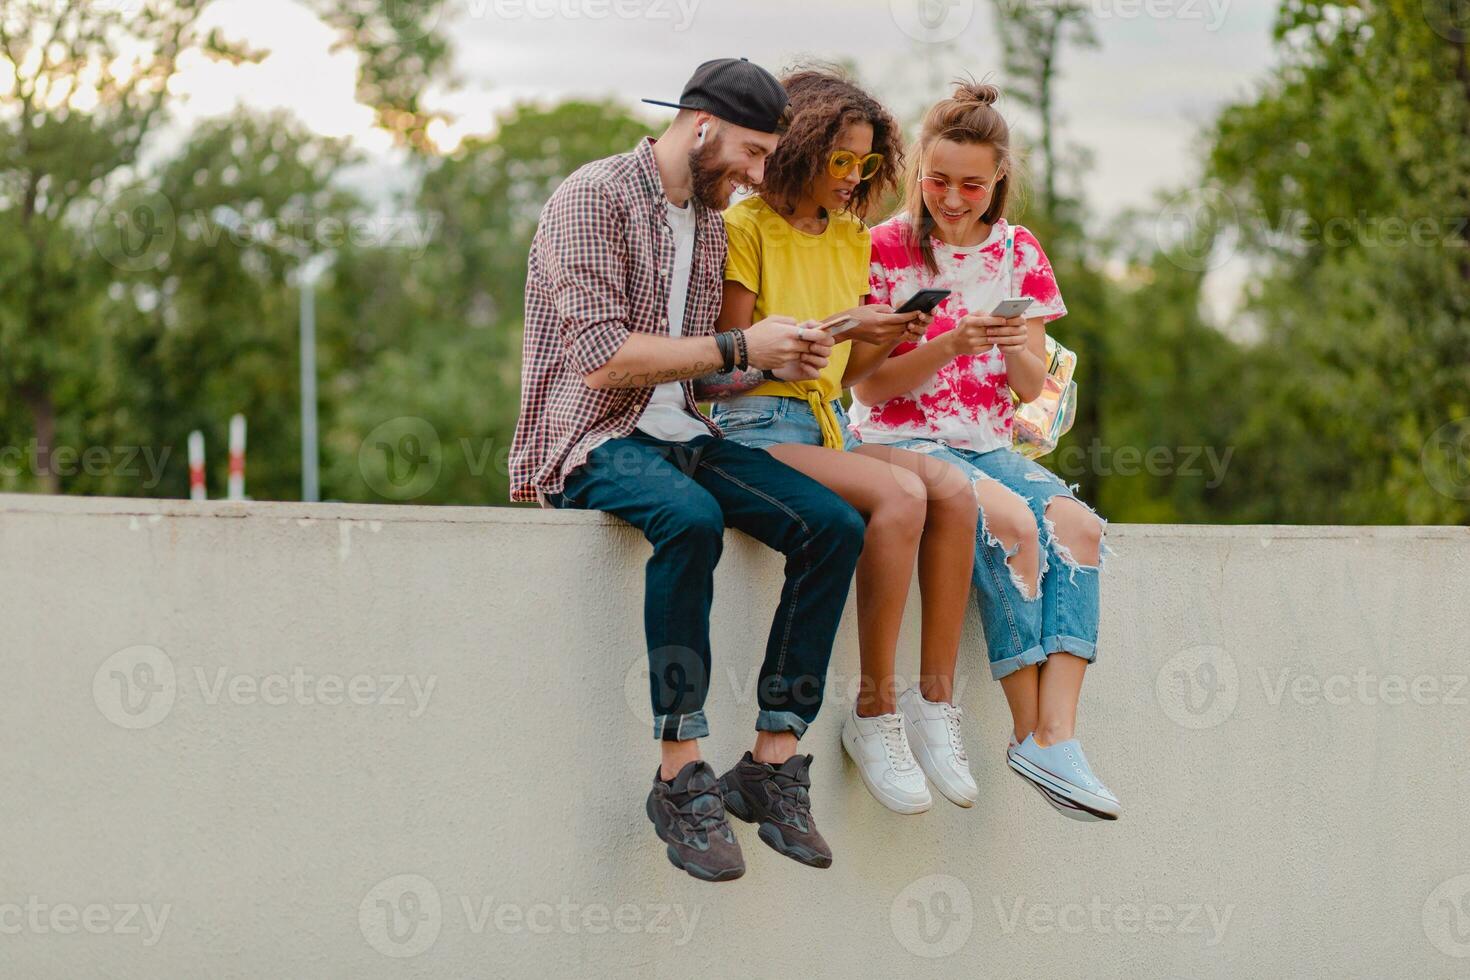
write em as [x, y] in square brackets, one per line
[1063, 769]
[1066, 808]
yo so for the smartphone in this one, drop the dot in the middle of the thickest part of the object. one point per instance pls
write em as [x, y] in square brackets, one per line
[839, 325]
[923, 301]
[1012, 307]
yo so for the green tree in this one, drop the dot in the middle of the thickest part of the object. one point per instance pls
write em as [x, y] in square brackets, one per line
[446, 345]
[1033, 38]
[74, 119]
[1350, 175]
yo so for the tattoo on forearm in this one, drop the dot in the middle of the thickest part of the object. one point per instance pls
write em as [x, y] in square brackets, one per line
[723, 386]
[649, 379]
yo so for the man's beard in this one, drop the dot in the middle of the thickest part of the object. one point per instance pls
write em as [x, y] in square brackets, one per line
[708, 175]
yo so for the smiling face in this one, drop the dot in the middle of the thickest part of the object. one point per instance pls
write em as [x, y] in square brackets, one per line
[836, 193]
[731, 156]
[956, 217]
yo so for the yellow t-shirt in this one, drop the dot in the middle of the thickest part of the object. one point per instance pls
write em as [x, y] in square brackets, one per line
[803, 276]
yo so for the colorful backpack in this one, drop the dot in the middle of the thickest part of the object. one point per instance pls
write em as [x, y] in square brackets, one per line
[1038, 425]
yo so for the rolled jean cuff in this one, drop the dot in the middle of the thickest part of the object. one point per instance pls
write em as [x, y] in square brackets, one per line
[680, 728]
[780, 721]
[1074, 645]
[1008, 666]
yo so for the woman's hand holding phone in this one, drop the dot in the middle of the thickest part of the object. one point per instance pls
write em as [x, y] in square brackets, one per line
[876, 324]
[977, 333]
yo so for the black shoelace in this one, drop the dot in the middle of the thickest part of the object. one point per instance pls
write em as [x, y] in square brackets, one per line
[793, 790]
[707, 821]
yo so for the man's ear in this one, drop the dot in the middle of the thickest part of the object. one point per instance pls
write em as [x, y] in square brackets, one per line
[705, 125]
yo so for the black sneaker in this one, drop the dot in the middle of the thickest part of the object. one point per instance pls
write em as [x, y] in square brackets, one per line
[689, 816]
[778, 798]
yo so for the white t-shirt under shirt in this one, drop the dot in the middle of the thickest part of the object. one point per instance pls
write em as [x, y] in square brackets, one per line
[667, 416]
[967, 402]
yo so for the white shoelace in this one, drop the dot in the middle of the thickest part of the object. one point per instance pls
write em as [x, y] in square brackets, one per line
[953, 715]
[895, 745]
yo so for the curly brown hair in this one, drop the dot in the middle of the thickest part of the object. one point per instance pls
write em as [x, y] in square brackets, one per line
[824, 101]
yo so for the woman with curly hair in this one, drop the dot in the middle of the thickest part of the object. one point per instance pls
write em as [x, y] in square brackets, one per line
[800, 248]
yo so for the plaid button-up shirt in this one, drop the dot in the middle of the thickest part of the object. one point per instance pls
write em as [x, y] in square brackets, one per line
[599, 269]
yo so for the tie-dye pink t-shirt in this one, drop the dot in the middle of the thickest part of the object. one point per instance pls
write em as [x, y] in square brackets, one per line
[967, 403]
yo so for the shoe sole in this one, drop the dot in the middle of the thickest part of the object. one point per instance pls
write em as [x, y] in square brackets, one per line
[926, 763]
[897, 806]
[770, 833]
[689, 868]
[1066, 808]
[1092, 803]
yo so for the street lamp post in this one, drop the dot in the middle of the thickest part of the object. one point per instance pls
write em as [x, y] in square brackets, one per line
[310, 271]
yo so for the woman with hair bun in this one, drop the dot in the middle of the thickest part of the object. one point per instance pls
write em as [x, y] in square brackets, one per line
[948, 395]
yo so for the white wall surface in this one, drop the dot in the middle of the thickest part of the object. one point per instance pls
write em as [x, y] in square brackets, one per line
[286, 740]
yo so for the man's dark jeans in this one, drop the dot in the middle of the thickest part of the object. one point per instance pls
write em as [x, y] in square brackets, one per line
[682, 496]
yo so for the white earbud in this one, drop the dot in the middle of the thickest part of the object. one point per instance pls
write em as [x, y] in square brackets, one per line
[701, 132]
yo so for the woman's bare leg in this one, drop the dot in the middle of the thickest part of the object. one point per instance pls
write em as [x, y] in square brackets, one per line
[892, 501]
[946, 555]
[1080, 532]
[1008, 517]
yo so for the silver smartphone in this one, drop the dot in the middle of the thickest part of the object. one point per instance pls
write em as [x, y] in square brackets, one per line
[835, 327]
[1012, 307]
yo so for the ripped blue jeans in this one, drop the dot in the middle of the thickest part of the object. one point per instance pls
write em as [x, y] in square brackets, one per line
[1023, 629]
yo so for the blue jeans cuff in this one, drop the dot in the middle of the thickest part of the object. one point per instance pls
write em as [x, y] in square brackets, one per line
[680, 728]
[780, 721]
[1003, 668]
[1074, 645]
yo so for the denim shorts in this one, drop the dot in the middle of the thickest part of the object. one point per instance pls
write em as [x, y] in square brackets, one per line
[1022, 629]
[763, 421]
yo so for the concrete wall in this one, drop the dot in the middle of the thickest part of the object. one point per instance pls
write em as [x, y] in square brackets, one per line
[349, 741]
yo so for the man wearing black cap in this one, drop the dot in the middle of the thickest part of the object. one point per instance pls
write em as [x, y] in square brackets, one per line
[622, 292]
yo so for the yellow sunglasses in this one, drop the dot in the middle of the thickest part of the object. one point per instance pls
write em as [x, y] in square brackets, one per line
[841, 162]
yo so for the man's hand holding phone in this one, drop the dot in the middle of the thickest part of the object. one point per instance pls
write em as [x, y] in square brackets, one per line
[794, 351]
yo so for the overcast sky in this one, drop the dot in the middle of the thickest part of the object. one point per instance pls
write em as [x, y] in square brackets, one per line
[1136, 103]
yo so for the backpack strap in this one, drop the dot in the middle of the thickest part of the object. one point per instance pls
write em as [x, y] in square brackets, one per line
[1010, 261]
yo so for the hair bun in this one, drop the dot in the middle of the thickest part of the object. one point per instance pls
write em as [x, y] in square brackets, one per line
[976, 92]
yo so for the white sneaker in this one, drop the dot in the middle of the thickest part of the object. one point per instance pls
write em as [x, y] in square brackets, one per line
[937, 739]
[878, 746]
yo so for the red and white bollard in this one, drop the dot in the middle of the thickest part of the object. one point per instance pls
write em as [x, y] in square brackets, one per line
[196, 466]
[237, 457]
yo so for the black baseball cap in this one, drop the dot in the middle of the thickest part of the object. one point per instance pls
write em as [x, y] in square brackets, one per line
[735, 90]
